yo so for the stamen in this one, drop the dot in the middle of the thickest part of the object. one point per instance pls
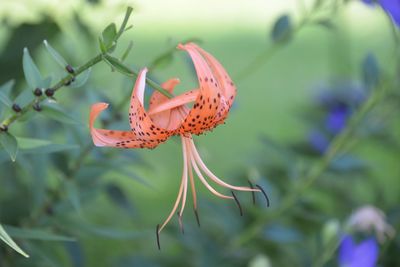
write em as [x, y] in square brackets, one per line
[238, 203]
[180, 222]
[265, 194]
[197, 217]
[203, 180]
[252, 193]
[158, 236]
[212, 175]
[184, 178]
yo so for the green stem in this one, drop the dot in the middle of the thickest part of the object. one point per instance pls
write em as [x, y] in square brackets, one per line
[314, 172]
[124, 69]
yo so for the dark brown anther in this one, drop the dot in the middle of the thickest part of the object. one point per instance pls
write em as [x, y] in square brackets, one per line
[16, 108]
[37, 92]
[3, 128]
[69, 69]
[252, 192]
[197, 217]
[180, 223]
[238, 203]
[263, 192]
[49, 92]
[37, 107]
[158, 236]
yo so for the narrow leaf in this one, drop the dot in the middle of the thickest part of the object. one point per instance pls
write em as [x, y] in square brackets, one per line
[10, 144]
[81, 79]
[127, 51]
[7, 239]
[56, 112]
[5, 90]
[109, 34]
[30, 145]
[31, 72]
[36, 234]
[124, 22]
[57, 57]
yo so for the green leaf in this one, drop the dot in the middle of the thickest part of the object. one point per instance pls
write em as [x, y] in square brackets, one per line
[81, 79]
[7, 239]
[370, 71]
[118, 65]
[31, 72]
[73, 195]
[5, 90]
[30, 145]
[282, 29]
[108, 35]
[102, 46]
[127, 51]
[57, 57]
[36, 234]
[124, 22]
[56, 112]
[10, 144]
[5, 100]
[24, 98]
[6, 87]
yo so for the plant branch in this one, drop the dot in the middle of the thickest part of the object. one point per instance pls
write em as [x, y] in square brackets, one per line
[315, 172]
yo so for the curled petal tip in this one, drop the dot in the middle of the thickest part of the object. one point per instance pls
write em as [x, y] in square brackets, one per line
[180, 46]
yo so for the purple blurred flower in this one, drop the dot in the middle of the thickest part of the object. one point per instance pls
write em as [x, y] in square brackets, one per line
[336, 118]
[391, 7]
[318, 141]
[363, 254]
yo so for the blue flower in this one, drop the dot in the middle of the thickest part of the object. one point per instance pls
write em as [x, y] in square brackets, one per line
[391, 7]
[337, 117]
[318, 141]
[363, 254]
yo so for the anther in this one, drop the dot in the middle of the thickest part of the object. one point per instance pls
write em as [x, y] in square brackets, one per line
[158, 236]
[238, 203]
[37, 92]
[197, 217]
[263, 192]
[49, 92]
[16, 108]
[252, 192]
[180, 223]
[70, 69]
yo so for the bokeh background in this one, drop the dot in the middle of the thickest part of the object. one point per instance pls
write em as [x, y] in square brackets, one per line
[304, 70]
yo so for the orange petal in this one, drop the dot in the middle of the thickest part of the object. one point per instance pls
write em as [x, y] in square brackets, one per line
[226, 86]
[112, 138]
[177, 101]
[141, 123]
[201, 116]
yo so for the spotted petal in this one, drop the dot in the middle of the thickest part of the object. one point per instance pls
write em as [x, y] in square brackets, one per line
[141, 124]
[223, 82]
[112, 138]
[205, 108]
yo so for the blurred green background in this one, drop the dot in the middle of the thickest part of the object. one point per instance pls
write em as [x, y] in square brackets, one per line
[113, 202]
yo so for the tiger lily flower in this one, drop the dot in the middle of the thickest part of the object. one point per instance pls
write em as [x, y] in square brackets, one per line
[166, 117]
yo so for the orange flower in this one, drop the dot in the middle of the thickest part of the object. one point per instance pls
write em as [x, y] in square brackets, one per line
[167, 117]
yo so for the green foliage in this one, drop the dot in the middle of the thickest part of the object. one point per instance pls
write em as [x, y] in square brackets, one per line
[7, 239]
[10, 144]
